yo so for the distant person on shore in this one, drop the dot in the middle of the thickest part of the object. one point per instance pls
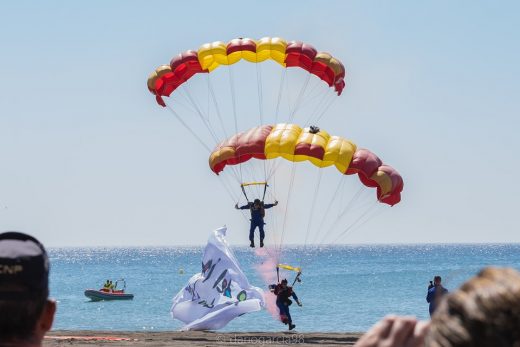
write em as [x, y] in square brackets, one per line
[435, 292]
[26, 312]
[283, 292]
[257, 209]
[484, 311]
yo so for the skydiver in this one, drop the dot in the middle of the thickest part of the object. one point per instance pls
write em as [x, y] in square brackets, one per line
[257, 209]
[283, 292]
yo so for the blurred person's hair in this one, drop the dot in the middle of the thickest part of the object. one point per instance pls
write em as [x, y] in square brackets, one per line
[24, 290]
[18, 318]
[484, 311]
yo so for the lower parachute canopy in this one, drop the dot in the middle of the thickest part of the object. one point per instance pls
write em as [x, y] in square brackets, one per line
[289, 267]
[291, 142]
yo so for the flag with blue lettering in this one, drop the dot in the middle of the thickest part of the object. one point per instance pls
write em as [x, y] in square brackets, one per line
[219, 293]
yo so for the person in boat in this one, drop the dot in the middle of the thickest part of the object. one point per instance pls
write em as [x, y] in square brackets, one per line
[283, 292]
[257, 209]
[110, 286]
[26, 311]
[106, 285]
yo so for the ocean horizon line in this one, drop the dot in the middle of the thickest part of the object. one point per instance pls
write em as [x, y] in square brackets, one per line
[294, 245]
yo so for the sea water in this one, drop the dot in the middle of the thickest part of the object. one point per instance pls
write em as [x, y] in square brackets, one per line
[344, 288]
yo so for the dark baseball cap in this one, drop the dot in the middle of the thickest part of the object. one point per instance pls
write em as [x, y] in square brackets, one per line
[24, 267]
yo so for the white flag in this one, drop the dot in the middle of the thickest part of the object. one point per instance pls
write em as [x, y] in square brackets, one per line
[218, 294]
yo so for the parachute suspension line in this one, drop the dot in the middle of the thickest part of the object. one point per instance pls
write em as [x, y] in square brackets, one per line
[347, 208]
[261, 106]
[351, 226]
[233, 96]
[280, 93]
[288, 98]
[227, 178]
[241, 176]
[337, 192]
[185, 102]
[316, 83]
[188, 128]
[357, 225]
[308, 97]
[272, 216]
[371, 217]
[291, 183]
[201, 115]
[228, 190]
[236, 174]
[215, 103]
[311, 214]
[299, 98]
[273, 170]
[275, 215]
[208, 110]
[265, 175]
[365, 209]
[320, 104]
[316, 103]
[249, 173]
[194, 104]
[329, 104]
[260, 92]
[234, 104]
[339, 187]
[244, 191]
[352, 203]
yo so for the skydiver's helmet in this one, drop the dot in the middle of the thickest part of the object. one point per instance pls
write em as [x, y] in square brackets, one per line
[284, 281]
[257, 202]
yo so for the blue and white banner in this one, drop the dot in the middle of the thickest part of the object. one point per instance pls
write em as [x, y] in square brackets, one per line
[219, 293]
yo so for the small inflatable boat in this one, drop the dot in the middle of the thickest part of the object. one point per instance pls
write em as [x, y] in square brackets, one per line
[109, 294]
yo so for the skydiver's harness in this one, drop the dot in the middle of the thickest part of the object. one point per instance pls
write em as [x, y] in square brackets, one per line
[262, 209]
[283, 294]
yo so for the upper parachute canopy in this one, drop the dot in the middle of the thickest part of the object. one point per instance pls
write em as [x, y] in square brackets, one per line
[293, 143]
[166, 78]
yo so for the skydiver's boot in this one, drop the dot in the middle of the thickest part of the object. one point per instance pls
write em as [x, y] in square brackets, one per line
[252, 244]
[261, 243]
[292, 326]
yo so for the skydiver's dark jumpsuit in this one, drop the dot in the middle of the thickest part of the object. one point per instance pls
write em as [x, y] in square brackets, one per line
[283, 302]
[257, 219]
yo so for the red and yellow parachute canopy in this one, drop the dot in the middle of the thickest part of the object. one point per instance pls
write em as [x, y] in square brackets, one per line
[166, 78]
[291, 142]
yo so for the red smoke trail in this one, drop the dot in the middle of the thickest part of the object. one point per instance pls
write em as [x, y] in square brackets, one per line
[266, 268]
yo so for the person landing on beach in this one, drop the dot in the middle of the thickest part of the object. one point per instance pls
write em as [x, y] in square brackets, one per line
[257, 209]
[283, 292]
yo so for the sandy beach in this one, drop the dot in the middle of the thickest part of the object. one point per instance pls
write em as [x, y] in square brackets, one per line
[197, 338]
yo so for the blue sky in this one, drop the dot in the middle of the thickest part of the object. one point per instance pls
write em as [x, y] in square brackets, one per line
[88, 158]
